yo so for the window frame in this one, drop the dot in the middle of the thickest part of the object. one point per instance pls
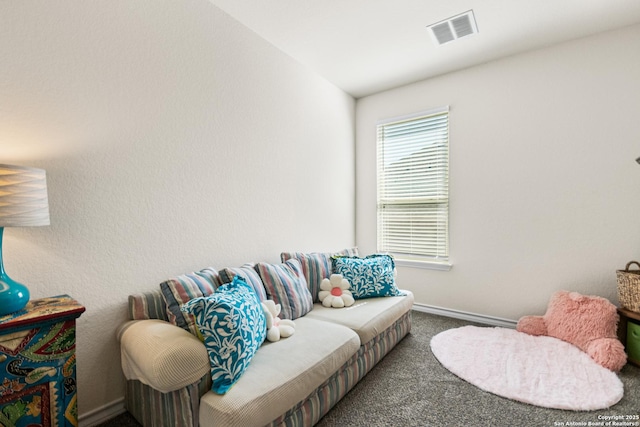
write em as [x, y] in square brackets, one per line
[441, 260]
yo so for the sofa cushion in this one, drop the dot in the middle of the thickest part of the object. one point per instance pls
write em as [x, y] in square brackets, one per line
[148, 305]
[316, 266]
[367, 317]
[370, 277]
[249, 274]
[234, 326]
[285, 284]
[281, 374]
[181, 289]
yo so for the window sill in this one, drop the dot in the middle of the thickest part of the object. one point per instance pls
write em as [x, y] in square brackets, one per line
[429, 265]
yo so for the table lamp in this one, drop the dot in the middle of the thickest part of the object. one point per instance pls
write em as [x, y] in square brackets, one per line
[23, 203]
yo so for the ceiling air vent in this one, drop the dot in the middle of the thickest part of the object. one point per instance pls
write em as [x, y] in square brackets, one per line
[453, 28]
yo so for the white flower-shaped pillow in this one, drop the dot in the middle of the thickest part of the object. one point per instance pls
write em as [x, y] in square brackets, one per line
[334, 292]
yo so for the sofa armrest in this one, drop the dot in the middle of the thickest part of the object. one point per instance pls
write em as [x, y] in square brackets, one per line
[161, 355]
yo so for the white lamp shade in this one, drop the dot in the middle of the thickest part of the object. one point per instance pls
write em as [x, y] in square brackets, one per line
[23, 196]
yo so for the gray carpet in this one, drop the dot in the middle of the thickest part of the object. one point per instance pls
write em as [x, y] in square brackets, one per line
[409, 387]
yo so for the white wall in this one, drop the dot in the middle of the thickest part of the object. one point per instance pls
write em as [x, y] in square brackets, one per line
[543, 183]
[173, 139]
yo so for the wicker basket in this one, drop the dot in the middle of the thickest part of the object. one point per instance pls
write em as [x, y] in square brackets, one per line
[629, 287]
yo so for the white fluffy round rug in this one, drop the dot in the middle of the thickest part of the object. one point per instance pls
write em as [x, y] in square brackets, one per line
[541, 371]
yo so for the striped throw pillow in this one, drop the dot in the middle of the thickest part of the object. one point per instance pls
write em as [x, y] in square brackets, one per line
[316, 266]
[285, 285]
[182, 289]
[249, 274]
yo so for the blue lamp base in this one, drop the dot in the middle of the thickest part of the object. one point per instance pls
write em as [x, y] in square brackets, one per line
[13, 295]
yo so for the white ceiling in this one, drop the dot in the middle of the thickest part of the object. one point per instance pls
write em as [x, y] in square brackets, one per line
[366, 46]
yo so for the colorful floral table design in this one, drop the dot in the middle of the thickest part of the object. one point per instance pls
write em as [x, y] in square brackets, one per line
[38, 364]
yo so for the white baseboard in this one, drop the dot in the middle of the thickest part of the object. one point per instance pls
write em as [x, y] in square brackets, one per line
[464, 315]
[101, 414]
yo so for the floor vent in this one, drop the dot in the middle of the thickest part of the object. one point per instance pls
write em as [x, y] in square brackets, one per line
[453, 28]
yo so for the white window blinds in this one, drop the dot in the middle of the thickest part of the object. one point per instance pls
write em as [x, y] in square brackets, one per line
[413, 186]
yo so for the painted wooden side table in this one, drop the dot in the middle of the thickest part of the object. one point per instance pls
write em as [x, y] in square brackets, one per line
[38, 364]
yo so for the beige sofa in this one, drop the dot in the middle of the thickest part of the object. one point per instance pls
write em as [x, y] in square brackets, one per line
[293, 382]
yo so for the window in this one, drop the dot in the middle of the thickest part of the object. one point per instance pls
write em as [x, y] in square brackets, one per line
[413, 188]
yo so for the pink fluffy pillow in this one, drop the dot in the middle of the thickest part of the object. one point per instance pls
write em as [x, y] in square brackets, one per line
[588, 322]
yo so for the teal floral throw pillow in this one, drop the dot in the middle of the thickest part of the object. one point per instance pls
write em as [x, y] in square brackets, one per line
[372, 276]
[233, 327]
